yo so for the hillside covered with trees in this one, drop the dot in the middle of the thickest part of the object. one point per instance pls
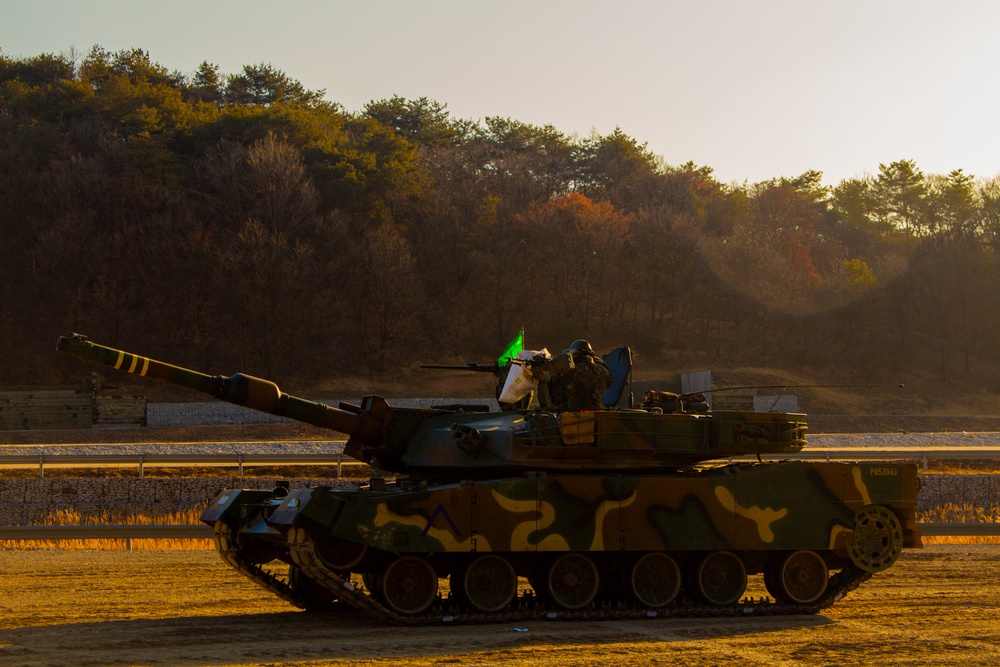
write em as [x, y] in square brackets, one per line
[241, 222]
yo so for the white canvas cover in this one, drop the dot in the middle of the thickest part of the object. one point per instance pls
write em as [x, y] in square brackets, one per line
[519, 382]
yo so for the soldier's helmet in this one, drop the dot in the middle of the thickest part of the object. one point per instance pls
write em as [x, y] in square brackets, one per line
[579, 346]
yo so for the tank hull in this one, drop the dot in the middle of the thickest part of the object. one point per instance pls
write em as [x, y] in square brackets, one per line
[786, 521]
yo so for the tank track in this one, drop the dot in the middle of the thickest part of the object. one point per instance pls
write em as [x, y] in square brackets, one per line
[528, 607]
[226, 546]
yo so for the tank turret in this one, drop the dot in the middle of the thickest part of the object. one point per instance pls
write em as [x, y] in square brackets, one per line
[665, 432]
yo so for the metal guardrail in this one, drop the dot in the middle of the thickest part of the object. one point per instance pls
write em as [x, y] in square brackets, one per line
[41, 461]
[924, 454]
[106, 532]
[959, 529]
[165, 531]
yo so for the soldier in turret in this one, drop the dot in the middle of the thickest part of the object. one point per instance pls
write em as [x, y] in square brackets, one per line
[579, 385]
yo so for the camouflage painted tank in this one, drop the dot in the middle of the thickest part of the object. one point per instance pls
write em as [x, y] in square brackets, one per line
[614, 513]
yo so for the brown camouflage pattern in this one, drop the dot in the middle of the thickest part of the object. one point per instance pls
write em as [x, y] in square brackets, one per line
[775, 506]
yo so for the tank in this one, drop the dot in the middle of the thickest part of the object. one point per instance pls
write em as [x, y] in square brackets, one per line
[648, 510]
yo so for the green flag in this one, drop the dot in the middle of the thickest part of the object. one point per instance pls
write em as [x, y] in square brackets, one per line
[513, 348]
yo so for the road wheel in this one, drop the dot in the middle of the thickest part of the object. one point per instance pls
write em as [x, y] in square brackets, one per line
[800, 577]
[720, 578]
[572, 581]
[488, 583]
[655, 580]
[408, 584]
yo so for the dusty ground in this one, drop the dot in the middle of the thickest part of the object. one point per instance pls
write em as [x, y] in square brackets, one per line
[938, 606]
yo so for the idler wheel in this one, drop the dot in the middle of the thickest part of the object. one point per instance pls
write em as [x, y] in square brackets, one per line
[572, 581]
[340, 554]
[488, 583]
[878, 538]
[655, 580]
[408, 584]
[800, 577]
[720, 578]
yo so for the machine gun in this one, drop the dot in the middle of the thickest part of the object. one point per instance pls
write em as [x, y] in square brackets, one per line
[471, 366]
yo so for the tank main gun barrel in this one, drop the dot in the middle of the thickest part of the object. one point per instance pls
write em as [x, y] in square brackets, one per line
[239, 389]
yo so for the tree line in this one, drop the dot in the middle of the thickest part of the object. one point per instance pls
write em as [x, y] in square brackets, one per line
[243, 222]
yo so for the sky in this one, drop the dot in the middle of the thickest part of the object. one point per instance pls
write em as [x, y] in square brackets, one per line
[754, 89]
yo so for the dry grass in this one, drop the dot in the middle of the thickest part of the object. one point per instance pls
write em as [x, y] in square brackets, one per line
[961, 513]
[69, 517]
[180, 472]
[137, 544]
[962, 467]
[928, 540]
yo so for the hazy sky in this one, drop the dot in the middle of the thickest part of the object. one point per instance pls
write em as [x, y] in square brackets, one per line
[754, 89]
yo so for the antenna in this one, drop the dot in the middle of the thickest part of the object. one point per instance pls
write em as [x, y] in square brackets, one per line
[784, 387]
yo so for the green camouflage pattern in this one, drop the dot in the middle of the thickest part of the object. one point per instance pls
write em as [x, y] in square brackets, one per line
[774, 506]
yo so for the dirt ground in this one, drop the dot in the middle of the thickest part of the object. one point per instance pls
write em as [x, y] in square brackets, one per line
[936, 606]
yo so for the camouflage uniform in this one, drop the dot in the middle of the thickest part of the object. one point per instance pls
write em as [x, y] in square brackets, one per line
[582, 387]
